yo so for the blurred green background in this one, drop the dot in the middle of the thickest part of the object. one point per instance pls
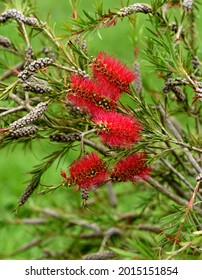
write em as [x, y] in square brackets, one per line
[17, 162]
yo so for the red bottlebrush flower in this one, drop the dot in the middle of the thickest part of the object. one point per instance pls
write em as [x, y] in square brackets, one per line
[113, 70]
[132, 168]
[107, 88]
[118, 130]
[88, 172]
[89, 96]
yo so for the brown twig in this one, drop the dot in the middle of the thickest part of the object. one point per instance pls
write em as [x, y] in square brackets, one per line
[13, 71]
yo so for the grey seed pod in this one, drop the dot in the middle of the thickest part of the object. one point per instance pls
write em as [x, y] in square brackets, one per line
[29, 55]
[40, 63]
[178, 93]
[49, 53]
[84, 194]
[18, 16]
[173, 26]
[105, 255]
[5, 42]
[30, 117]
[196, 66]
[74, 110]
[138, 81]
[188, 5]
[2, 19]
[176, 82]
[31, 21]
[58, 137]
[24, 131]
[28, 192]
[37, 88]
[166, 88]
[135, 8]
[14, 14]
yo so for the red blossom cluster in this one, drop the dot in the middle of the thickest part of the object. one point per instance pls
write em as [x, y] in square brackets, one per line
[89, 96]
[112, 70]
[87, 173]
[132, 168]
[91, 172]
[98, 97]
[118, 130]
[110, 79]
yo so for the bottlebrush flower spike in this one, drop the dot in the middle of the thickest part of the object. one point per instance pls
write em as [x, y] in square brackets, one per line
[117, 130]
[113, 70]
[88, 96]
[132, 168]
[107, 88]
[88, 172]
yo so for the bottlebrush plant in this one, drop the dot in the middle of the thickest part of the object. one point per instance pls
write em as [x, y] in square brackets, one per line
[110, 125]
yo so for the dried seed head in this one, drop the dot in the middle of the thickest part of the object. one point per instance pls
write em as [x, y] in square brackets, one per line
[105, 255]
[37, 88]
[196, 66]
[31, 21]
[74, 110]
[84, 195]
[40, 63]
[58, 137]
[24, 131]
[5, 42]
[49, 53]
[135, 8]
[188, 5]
[178, 93]
[31, 117]
[18, 16]
[173, 26]
[28, 192]
[29, 55]
[138, 81]
[14, 14]
[81, 43]
[176, 82]
[81, 72]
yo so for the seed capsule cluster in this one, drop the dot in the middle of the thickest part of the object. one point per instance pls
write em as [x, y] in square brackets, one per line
[30, 117]
[5, 42]
[81, 43]
[35, 65]
[37, 88]
[177, 91]
[172, 84]
[84, 195]
[80, 72]
[24, 131]
[176, 82]
[58, 137]
[29, 55]
[135, 8]
[196, 66]
[138, 81]
[74, 110]
[49, 53]
[173, 26]
[27, 192]
[18, 16]
[187, 5]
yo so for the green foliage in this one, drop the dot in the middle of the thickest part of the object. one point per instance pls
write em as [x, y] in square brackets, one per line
[153, 219]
